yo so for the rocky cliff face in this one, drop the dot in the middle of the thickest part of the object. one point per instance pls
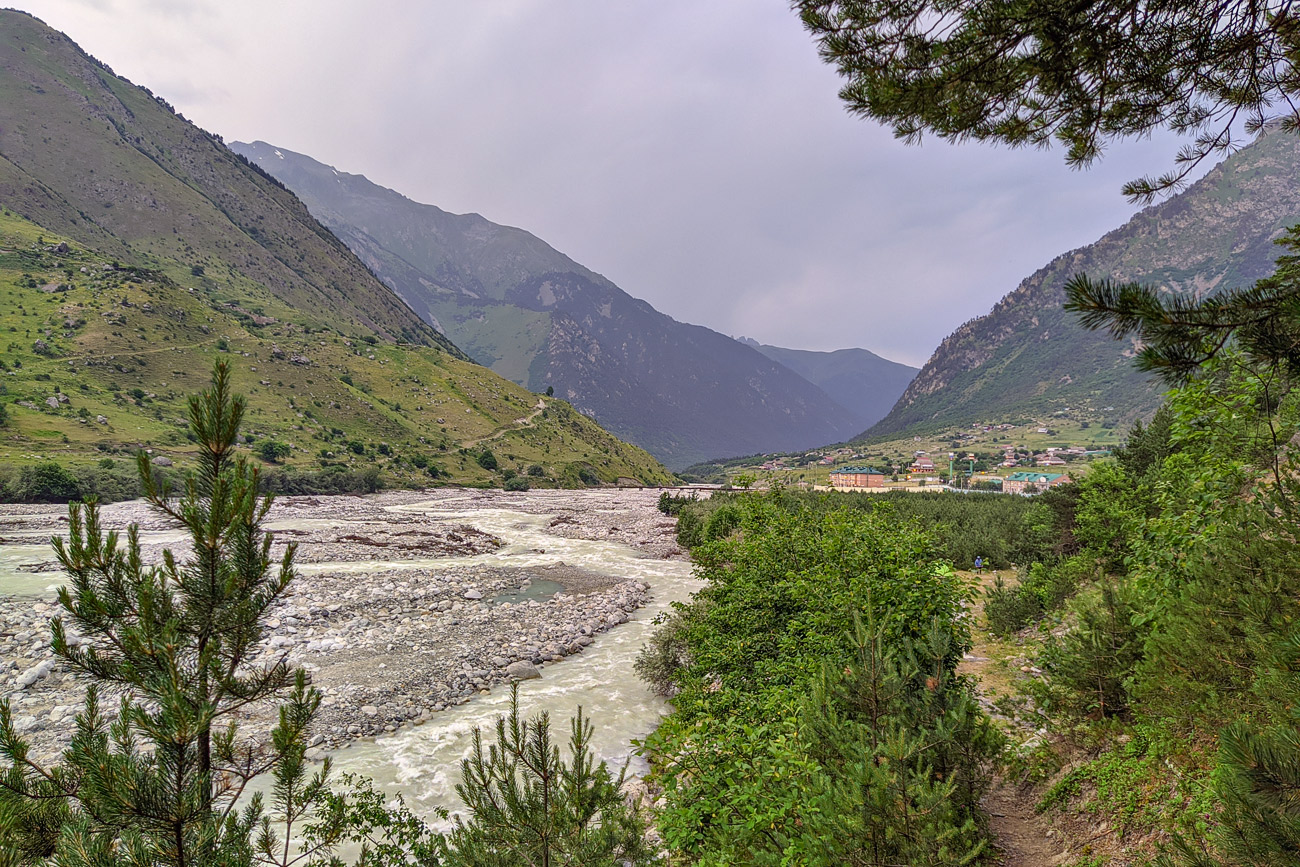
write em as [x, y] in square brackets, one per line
[1028, 356]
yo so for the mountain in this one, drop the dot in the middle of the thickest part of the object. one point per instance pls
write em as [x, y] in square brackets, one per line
[856, 378]
[135, 247]
[1028, 357]
[535, 316]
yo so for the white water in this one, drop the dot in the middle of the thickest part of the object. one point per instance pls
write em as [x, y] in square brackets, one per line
[34, 549]
[423, 763]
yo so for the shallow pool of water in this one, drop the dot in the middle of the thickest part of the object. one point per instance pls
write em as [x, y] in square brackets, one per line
[538, 590]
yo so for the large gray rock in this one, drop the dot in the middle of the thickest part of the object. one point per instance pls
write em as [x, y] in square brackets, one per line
[522, 671]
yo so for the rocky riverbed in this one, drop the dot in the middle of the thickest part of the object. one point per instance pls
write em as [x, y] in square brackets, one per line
[401, 607]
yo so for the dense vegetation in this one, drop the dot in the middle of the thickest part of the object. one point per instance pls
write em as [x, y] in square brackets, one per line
[817, 716]
[1001, 530]
[1168, 595]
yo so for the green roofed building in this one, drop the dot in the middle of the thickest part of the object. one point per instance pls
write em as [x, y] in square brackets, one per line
[854, 478]
[1017, 482]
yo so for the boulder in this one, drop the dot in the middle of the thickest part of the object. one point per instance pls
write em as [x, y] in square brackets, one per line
[522, 671]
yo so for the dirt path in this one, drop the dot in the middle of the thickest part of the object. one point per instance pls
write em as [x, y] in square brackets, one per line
[1023, 837]
[526, 421]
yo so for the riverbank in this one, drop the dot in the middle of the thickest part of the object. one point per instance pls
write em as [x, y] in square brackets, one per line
[406, 603]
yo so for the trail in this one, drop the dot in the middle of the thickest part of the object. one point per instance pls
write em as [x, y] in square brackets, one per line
[1021, 835]
[526, 421]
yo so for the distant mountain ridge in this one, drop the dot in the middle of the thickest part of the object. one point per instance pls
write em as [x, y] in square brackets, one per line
[135, 248]
[682, 392]
[856, 378]
[1028, 356]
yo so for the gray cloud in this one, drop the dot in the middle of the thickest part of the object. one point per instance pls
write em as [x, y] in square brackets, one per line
[694, 153]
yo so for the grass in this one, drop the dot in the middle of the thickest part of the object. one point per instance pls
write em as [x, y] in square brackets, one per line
[130, 346]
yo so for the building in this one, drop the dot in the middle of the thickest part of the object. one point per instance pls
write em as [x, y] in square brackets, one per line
[921, 465]
[855, 478]
[1049, 461]
[1016, 483]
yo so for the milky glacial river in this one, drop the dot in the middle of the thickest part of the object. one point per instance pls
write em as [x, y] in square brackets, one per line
[423, 763]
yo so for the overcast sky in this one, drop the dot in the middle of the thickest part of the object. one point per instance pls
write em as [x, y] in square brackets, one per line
[692, 151]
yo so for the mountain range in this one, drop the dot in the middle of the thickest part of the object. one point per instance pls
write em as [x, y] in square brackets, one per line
[1027, 357]
[535, 316]
[856, 378]
[136, 247]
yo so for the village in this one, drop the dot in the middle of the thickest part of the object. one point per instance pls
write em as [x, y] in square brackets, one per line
[1024, 459]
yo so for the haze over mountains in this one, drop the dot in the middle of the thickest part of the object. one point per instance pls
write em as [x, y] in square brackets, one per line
[532, 314]
[222, 251]
[135, 247]
[855, 377]
[1029, 357]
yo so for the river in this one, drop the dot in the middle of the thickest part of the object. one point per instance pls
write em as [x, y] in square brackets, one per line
[422, 763]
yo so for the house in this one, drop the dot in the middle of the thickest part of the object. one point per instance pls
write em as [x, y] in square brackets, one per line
[921, 465]
[1049, 461]
[853, 478]
[1016, 483]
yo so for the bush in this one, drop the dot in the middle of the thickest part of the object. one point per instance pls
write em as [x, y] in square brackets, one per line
[486, 459]
[334, 480]
[47, 483]
[1090, 665]
[1009, 609]
[817, 715]
[536, 471]
[273, 451]
[518, 483]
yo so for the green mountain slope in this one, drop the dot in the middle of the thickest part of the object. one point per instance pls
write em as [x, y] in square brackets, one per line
[1028, 357]
[135, 247]
[856, 378]
[537, 317]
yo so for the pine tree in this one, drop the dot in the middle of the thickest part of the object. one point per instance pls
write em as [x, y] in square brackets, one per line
[531, 808]
[906, 751]
[159, 783]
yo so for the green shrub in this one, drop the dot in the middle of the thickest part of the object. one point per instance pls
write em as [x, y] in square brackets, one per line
[1010, 609]
[48, 483]
[518, 483]
[486, 459]
[273, 451]
[1090, 666]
